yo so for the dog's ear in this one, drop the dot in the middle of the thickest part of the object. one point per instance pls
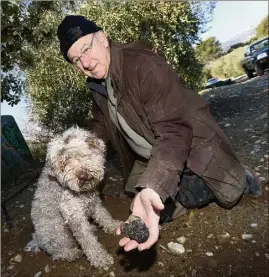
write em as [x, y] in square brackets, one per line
[67, 139]
[95, 142]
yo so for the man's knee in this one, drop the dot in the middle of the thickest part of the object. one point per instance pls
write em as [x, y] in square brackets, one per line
[193, 192]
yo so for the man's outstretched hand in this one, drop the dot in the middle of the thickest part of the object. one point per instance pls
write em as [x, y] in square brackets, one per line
[147, 205]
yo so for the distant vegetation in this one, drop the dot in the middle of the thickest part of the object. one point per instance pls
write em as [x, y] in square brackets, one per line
[208, 50]
[262, 29]
[227, 64]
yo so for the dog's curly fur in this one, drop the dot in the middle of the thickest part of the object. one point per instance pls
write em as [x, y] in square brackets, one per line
[67, 196]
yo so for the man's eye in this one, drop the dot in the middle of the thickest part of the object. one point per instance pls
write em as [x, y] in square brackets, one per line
[86, 50]
[76, 61]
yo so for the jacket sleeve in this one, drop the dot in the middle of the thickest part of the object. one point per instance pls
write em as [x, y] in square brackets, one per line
[161, 95]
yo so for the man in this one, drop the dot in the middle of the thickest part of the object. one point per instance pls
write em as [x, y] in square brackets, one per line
[170, 146]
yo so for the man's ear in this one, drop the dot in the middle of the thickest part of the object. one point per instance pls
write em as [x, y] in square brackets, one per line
[103, 38]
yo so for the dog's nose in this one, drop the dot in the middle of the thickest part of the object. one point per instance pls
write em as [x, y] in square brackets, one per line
[82, 175]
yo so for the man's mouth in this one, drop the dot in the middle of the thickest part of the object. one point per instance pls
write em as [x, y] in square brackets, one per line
[92, 69]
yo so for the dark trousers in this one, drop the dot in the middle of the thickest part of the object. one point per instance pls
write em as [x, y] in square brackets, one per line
[193, 192]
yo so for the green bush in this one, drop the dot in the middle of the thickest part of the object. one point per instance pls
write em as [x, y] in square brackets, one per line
[263, 28]
[229, 65]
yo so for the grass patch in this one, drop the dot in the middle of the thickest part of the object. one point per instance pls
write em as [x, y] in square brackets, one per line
[229, 65]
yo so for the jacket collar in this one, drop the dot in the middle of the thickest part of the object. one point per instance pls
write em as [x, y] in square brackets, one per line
[116, 62]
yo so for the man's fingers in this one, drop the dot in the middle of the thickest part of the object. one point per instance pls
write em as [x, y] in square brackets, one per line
[150, 199]
[132, 244]
[124, 241]
[157, 204]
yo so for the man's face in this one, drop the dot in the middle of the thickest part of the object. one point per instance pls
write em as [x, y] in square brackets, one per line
[91, 55]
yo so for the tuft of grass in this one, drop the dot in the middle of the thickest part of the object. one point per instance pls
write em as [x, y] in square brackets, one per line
[228, 66]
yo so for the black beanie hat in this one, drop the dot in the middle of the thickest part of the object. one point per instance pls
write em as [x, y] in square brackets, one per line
[71, 29]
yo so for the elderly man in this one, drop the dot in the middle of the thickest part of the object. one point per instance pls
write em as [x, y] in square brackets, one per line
[171, 148]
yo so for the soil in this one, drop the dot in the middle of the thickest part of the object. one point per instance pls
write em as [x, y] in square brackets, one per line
[242, 112]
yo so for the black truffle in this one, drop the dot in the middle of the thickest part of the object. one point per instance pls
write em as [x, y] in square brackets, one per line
[135, 229]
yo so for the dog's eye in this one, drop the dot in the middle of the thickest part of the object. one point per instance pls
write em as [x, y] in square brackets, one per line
[92, 143]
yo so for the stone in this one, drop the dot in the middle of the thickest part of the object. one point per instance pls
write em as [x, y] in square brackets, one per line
[47, 268]
[176, 248]
[181, 240]
[18, 258]
[246, 236]
[209, 254]
[11, 267]
[210, 236]
[222, 238]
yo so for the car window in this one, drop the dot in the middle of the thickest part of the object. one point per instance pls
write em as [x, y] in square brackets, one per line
[247, 52]
[259, 45]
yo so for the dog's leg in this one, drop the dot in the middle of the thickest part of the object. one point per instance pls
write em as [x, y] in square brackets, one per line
[103, 218]
[73, 213]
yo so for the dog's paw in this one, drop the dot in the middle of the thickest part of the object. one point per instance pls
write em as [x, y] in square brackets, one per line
[102, 261]
[107, 262]
[111, 228]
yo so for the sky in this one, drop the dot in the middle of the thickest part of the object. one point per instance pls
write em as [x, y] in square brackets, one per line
[19, 112]
[234, 17]
[230, 19]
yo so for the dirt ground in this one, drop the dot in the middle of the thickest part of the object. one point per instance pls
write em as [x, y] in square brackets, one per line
[242, 111]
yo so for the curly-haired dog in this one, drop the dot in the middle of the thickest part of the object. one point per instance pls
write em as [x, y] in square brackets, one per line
[67, 196]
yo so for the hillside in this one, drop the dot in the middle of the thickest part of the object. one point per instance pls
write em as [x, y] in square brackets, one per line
[242, 37]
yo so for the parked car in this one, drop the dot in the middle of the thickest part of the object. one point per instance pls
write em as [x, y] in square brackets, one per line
[213, 82]
[256, 58]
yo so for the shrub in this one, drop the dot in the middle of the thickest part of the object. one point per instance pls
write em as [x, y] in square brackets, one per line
[229, 65]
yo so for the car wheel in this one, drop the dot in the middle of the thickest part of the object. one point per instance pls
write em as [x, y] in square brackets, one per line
[249, 74]
[259, 71]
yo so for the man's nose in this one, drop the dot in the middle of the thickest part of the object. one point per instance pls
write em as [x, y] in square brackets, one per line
[85, 61]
